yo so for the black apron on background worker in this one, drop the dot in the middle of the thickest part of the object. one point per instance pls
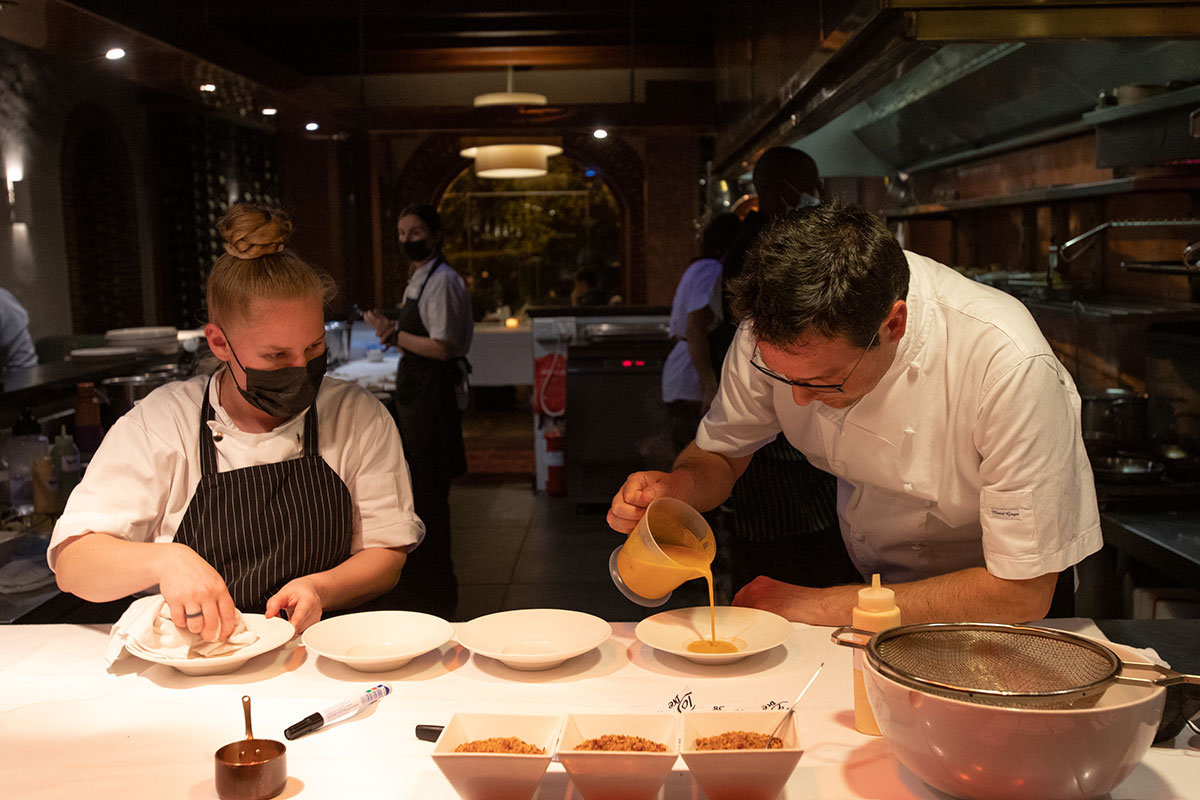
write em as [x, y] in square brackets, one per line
[430, 422]
[262, 526]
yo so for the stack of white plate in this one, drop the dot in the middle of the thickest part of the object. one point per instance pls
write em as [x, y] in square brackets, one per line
[146, 340]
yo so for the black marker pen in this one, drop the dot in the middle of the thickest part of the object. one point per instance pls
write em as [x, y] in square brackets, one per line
[345, 708]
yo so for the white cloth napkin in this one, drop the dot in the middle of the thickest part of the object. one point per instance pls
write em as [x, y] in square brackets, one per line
[148, 622]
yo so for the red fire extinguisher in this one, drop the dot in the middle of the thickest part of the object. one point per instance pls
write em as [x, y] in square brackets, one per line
[556, 467]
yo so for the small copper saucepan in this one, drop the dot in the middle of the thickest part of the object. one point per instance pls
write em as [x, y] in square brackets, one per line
[251, 769]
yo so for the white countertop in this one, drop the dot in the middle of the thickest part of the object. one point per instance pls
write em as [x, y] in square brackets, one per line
[71, 729]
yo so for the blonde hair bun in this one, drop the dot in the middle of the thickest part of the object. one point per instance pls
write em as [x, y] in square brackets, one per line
[251, 231]
[255, 265]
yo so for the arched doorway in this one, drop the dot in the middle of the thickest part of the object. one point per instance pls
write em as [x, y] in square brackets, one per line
[520, 242]
[100, 224]
[432, 166]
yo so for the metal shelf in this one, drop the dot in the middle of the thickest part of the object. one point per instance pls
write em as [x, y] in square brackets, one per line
[1078, 191]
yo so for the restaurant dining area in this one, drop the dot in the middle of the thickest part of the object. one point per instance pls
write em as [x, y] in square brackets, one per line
[722, 400]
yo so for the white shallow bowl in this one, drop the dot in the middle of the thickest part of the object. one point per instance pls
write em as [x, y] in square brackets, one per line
[376, 641]
[618, 775]
[983, 752]
[272, 633]
[533, 638]
[749, 629]
[496, 776]
[124, 335]
[99, 353]
[740, 774]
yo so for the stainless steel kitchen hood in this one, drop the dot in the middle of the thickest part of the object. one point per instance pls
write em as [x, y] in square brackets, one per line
[910, 81]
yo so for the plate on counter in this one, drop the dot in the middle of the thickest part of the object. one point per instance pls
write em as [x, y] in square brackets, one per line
[751, 630]
[377, 641]
[533, 638]
[89, 353]
[272, 633]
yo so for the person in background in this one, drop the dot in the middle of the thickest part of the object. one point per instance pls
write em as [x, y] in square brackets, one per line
[16, 345]
[689, 382]
[783, 522]
[585, 288]
[264, 487]
[433, 332]
[952, 427]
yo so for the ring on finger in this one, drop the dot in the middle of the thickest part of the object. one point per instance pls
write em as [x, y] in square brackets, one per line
[192, 614]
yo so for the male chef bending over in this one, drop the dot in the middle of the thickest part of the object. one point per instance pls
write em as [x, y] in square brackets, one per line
[952, 428]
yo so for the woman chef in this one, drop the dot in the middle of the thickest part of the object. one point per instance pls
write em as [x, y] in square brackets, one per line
[263, 487]
[433, 332]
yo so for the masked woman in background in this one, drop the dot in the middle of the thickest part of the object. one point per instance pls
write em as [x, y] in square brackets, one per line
[433, 332]
[265, 486]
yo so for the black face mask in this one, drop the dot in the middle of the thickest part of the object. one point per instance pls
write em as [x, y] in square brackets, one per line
[285, 392]
[417, 251]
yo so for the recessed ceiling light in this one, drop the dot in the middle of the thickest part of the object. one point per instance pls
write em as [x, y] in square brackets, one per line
[312, 126]
[208, 87]
[114, 54]
[269, 112]
[600, 133]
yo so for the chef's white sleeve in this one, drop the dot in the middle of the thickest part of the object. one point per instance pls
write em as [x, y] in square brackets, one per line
[1037, 503]
[125, 488]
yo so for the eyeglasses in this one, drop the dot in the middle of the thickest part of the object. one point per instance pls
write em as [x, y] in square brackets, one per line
[820, 388]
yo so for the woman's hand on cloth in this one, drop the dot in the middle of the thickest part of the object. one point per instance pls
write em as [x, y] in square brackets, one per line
[301, 600]
[196, 594]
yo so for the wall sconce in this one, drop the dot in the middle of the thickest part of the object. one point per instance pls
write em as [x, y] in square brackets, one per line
[20, 203]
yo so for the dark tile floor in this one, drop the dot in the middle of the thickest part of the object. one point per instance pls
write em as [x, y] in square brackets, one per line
[516, 548]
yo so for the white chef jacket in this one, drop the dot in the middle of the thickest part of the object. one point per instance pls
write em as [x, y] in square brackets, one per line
[680, 381]
[144, 474]
[445, 306]
[968, 453]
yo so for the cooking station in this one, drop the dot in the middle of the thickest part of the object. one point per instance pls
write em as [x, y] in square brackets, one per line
[598, 380]
[127, 737]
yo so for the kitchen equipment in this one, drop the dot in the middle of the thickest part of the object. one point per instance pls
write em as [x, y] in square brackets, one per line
[616, 418]
[121, 394]
[788, 714]
[250, 769]
[613, 774]
[1037, 714]
[739, 774]
[533, 638]
[750, 630]
[375, 641]
[1114, 469]
[272, 633]
[671, 543]
[163, 339]
[1018, 666]
[337, 341]
[496, 776]
[1114, 420]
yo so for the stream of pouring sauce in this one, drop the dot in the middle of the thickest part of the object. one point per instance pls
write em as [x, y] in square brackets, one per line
[694, 561]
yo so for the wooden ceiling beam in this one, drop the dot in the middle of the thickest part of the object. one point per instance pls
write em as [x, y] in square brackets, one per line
[453, 59]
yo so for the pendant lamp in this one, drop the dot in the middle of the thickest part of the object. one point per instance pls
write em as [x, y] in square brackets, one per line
[510, 160]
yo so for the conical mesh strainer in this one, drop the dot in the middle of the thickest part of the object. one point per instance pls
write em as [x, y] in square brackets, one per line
[1018, 666]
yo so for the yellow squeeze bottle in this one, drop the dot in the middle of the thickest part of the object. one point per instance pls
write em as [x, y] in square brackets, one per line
[876, 611]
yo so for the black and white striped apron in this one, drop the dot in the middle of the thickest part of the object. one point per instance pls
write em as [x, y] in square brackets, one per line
[262, 526]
